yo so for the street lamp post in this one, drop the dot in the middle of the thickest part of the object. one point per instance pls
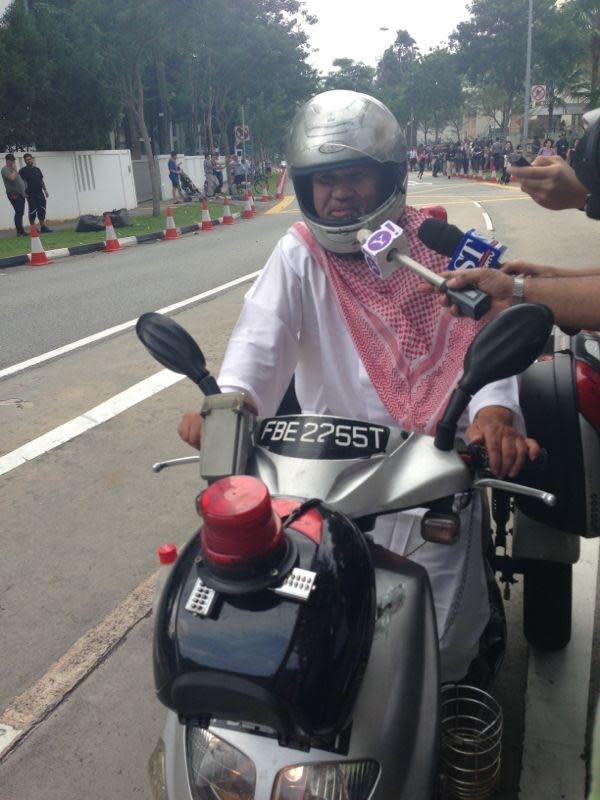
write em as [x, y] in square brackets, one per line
[527, 79]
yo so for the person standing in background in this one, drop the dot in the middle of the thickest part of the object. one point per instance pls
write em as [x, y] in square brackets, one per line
[36, 192]
[174, 170]
[15, 191]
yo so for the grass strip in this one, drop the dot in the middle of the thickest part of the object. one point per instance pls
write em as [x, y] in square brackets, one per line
[184, 215]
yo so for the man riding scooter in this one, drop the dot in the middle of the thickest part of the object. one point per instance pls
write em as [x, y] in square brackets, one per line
[362, 347]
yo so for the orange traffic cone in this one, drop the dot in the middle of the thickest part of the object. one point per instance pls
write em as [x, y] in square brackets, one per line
[112, 243]
[38, 255]
[266, 197]
[171, 231]
[227, 216]
[247, 212]
[206, 220]
[252, 204]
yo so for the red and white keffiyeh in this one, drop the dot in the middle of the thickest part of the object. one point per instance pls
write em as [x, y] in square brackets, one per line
[412, 350]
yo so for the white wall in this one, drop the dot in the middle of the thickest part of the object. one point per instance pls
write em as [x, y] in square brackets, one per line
[82, 182]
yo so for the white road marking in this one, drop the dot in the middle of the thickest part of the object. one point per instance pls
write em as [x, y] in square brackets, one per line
[90, 419]
[486, 217]
[33, 706]
[95, 337]
[556, 700]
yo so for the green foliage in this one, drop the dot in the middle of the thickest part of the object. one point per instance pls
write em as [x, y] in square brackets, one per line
[435, 93]
[586, 15]
[71, 67]
[349, 74]
[51, 94]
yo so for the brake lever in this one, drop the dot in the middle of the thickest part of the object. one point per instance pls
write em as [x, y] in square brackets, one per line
[515, 488]
[174, 462]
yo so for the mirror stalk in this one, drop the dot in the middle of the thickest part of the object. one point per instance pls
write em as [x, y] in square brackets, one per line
[446, 430]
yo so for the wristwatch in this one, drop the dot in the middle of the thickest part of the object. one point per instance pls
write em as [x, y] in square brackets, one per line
[592, 206]
[518, 295]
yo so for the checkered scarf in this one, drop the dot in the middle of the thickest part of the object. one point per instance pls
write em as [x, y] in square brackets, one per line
[412, 350]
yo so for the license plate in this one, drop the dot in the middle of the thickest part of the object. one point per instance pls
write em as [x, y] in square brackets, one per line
[322, 437]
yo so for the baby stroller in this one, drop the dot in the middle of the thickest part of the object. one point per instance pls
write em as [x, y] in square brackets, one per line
[188, 188]
[212, 185]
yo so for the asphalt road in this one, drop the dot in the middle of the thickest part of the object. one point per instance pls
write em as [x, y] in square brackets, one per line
[81, 520]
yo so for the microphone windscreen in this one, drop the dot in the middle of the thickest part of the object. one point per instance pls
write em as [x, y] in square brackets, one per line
[440, 236]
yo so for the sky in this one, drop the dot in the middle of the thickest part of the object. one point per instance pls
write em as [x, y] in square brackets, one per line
[351, 29]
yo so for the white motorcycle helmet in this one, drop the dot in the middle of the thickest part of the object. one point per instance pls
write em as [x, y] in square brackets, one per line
[339, 129]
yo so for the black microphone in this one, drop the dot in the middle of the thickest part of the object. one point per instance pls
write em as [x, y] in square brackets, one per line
[440, 236]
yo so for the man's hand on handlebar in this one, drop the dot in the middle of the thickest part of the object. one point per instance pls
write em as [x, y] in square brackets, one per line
[190, 428]
[507, 448]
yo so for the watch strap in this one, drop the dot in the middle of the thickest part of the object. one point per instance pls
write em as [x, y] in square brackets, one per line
[518, 295]
[592, 206]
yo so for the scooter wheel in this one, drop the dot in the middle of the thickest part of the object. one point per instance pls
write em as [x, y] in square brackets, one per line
[547, 604]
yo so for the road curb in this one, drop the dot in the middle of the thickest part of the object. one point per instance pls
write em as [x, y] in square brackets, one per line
[93, 247]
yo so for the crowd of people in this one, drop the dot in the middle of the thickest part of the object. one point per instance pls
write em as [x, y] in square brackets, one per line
[484, 155]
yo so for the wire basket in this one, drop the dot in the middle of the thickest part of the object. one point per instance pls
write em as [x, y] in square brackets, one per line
[471, 743]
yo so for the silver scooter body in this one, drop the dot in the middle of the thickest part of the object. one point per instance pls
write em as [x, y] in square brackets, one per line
[395, 716]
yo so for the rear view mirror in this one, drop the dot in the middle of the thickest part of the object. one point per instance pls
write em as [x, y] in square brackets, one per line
[506, 346]
[174, 348]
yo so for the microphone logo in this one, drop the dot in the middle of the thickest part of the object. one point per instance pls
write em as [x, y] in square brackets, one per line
[476, 250]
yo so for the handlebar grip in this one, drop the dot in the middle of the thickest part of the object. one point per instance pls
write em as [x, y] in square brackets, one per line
[480, 460]
[208, 385]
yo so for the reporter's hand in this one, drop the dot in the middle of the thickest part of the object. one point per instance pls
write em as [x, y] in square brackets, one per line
[551, 182]
[507, 448]
[190, 428]
[491, 281]
[525, 268]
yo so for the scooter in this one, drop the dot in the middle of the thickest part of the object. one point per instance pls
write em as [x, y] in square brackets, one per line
[297, 658]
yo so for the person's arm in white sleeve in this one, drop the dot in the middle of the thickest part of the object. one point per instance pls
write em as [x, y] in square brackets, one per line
[263, 349]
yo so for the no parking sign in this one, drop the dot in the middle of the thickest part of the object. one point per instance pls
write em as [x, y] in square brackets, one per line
[538, 94]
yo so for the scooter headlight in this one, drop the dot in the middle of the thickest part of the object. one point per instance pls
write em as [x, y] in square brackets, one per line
[216, 770]
[337, 780]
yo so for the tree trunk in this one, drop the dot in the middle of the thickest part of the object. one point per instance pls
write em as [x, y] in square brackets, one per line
[550, 114]
[133, 135]
[141, 121]
[209, 123]
[164, 114]
[594, 88]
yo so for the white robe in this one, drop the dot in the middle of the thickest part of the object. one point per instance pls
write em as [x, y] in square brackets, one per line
[290, 324]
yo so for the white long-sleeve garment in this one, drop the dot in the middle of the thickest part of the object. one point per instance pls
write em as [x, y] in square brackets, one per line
[290, 325]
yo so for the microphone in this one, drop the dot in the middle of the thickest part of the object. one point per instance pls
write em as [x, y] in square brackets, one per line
[465, 250]
[387, 247]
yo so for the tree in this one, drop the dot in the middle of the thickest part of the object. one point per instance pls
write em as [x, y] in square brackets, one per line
[435, 92]
[555, 57]
[586, 14]
[56, 101]
[393, 80]
[491, 48]
[349, 74]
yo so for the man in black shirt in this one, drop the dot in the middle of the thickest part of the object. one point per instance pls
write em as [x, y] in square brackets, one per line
[36, 192]
[562, 146]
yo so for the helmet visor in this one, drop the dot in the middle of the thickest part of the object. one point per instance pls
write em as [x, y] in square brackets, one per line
[320, 202]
